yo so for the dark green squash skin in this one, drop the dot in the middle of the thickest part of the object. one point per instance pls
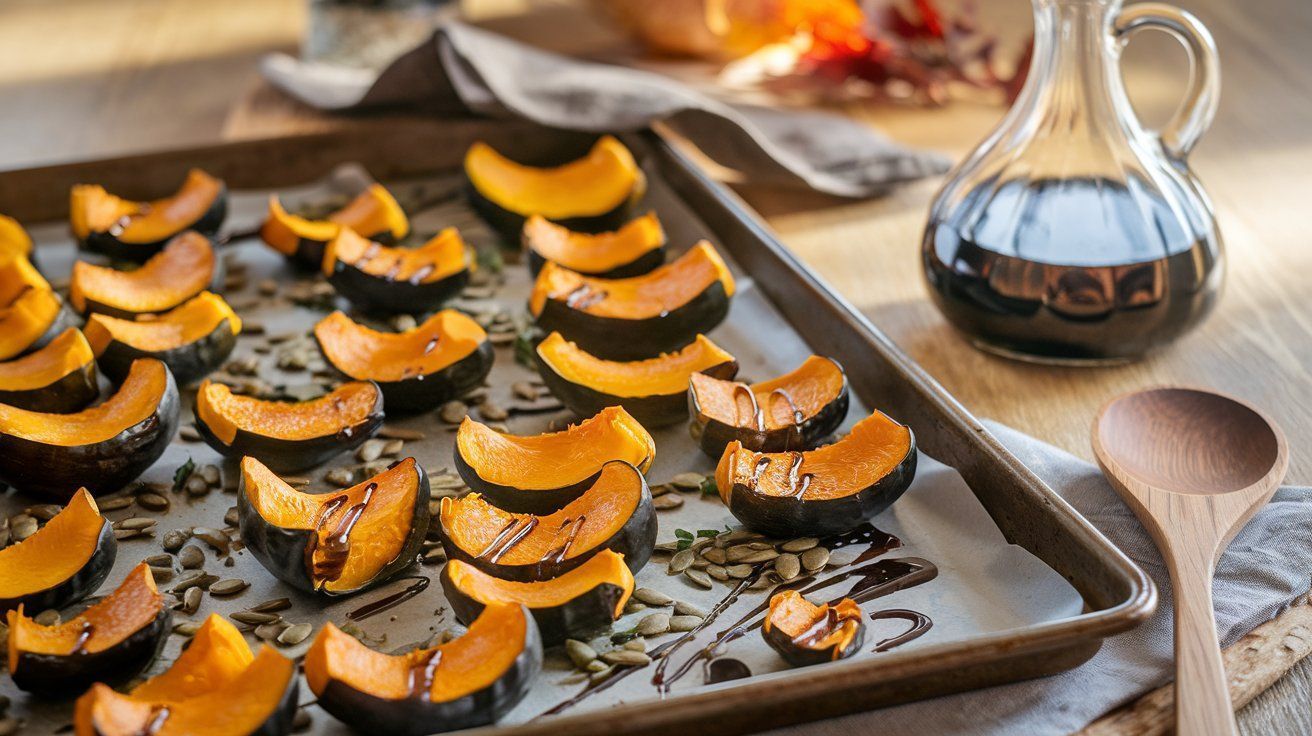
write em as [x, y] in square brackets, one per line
[415, 716]
[635, 540]
[208, 225]
[63, 319]
[713, 435]
[217, 280]
[521, 500]
[68, 676]
[74, 391]
[419, 394]
[82, 583]
[643, 264]
[289, 456]
[381, 295]
[279, 722]
[282, 551]
[510, 224]
[799, 656]
[612, 338]
[778, 516]
[186, 362]
[575, 619]
[102, 467]
[651, 411]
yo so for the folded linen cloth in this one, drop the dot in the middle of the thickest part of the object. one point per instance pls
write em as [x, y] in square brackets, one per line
[464, 69]
[1262, 572]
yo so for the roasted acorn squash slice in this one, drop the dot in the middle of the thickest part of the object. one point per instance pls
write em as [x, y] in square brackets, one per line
[191, 340]
[135, 231]
[795, 411]
[215, 687]
[288, 436]
[635, 249]
[183, 269]
[615, 514]
[378, 278]
[334, 543]
[103, 448]
[418, 369]
[575, 605]
[14, 240]
[59, 378]
[111, 641]
[64, 561]
[31, 313]
[654, 390]
[541, 473]
[470, 681]
[806, 634]
[831, 490]
[373, 214]
[638, 317]
[590, 194]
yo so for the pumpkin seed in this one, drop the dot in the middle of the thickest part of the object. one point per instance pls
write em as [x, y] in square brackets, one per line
[580, 653]
[135, 523]
[125, 534]
[114, 504]
[186, 628]
[392, 448]
[231, 517]
[371, 450]
[626, 657]
[815, 558]
[652, 597]
[152, 501]
[453, 412]
[637, 645]
[269, 632]
[684, 623]
[667, 502]
[492, 412]
[253, 618]
[48, 617]
[714, 555]
[738, 553]
[681, 561]
[699, 578]
[403, 322]
[196, 486]
[174, 539]
[230, 586]
[193, 580]
[801, 544]
[191, 600]
[601, 674]
[718, 572]
[761, 583]
[159, 560]
[788, 566]
[525, 390]
[684, 608]
[209, 473]
[660, 490]
[273, 604]
[633, 606]
[294, 635]
[688, 481]
[213, 537]
[653, 624]
[764, 555]
[21, 527]
[737, 535]
[43, 512]
[596, 665]
[191, 557]
[161, 574]
[389, 432]
[740, 571]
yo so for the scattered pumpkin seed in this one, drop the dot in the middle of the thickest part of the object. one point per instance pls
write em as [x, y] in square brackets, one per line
[525, 390]
[152, 501]
[453, 412]
[626, 657]
[114, 504]
[191, 600]
[174, 539]
[371, 450]
[699, 578]
[718, 572]
[601, 674]
[214, 538]
[187, 628]
[580, 653]
[492, 412]
[652, 597]
[271, 605]
[763, 555]
[230, 586]
[801, 544]
[739, 571]
[684, 608]
[21, 527]
[788, 566]
[392, 448]
[632, 606]
[761, 583]
[231, 517]
[160, 560]
[123, 535]
[637, 644]
[715, 555]
[269, 632]
[135, 523]
[681, 561]
[339, 477]
[209, 473]
[815, 559]
[161, 574]
[48, 617]
[196, 486]
[667, 502]
[738, 553]
[43, 511]
[296, 634]
[193, 580]
[390, 432]
[253, 618]
[653, 624]
[687, 481]
[684, 623]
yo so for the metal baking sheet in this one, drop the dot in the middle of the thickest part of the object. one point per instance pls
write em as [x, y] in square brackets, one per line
[988, 591]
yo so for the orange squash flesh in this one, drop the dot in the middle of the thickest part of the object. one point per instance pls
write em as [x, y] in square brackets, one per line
[94, 210]
[443, 255]
[47, 558]
[467, 664]
[474, 524]
[132, 606]
[216, 656]
[27, 306]
[874, 447]
[377, 537]
[593, 253]
[556, 459]
[664, 375]
[811, 387]
[240, 705]
[794, 615]
[366, 354]
[183, 269]
[604, 567]
[373, 213]
[66, 353]
[595, 184]
[224, 412]
[136, 399]
[14, 240]
[639, 297]
[186, 324]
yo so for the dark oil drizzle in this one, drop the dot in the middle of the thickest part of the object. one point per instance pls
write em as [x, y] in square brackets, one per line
[724, 669]
[336, 547]
[510, 535]
[392, 600]
[158, 715]
[920, 624]
[422, 673]
[83, 636]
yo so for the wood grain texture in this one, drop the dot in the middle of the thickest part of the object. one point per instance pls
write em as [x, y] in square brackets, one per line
[1194, 466]
[90, 78]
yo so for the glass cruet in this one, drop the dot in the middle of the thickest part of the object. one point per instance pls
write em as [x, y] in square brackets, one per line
[1072, 233]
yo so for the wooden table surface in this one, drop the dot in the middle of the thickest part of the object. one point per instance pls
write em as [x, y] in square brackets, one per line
[88, 78]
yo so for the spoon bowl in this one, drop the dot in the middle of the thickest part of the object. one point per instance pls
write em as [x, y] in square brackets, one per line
[1194, 466]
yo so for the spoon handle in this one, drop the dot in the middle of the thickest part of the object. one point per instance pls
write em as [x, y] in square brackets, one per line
[1202, 692]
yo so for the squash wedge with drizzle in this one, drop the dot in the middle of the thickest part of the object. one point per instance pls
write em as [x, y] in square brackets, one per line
[135, 231]
[377, 278]
[31, 313]
[185, 267]
[373, 214]
[805, 634]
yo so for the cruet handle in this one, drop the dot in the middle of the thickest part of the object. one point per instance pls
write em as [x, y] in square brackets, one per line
[1195, 113]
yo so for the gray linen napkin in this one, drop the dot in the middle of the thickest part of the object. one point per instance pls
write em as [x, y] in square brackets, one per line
[1264, 569]
[465, 69]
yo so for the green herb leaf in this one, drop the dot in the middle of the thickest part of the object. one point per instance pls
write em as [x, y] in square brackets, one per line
[526, 346]
[490, 260]
[683, 534]
[707, 533]
[183, 472]
[709, 488]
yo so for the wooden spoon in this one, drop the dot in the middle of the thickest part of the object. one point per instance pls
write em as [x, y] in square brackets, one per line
[1194, 466]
